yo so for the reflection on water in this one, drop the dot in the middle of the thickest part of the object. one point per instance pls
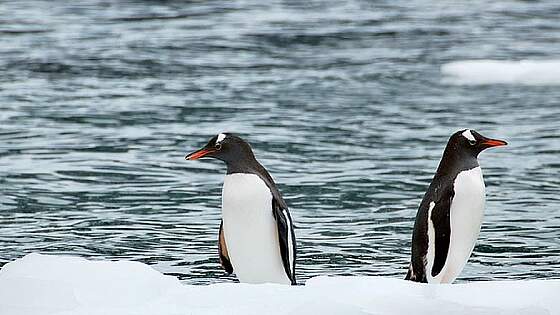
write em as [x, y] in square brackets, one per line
[342, 102]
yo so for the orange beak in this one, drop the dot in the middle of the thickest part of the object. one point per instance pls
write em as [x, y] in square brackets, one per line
[198, 154]
[494, 142]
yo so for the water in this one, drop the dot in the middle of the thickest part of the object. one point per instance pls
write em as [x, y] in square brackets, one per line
[343, 103]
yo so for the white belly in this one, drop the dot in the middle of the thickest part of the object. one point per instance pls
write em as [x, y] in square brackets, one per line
[250, 230]
[466, 213]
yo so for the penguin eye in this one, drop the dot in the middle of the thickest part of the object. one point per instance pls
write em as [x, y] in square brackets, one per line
[472, 142]
[218, 146]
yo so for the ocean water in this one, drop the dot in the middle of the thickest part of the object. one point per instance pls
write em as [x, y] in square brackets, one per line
[343, 102]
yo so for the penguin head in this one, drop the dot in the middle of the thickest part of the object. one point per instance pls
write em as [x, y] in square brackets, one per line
[472, 142]
[226, 147]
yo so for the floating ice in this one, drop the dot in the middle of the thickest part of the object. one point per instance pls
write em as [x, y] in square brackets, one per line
[38, 284]
[524, 72]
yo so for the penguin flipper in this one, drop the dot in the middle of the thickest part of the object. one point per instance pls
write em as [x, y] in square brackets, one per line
[286, 238]
[442, 227]
[222, 249]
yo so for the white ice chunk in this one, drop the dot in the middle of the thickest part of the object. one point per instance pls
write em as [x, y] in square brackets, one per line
[47, 285]
[482, 72]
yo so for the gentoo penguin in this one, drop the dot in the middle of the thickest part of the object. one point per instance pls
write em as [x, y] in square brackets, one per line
[256, 238]
[450, 214]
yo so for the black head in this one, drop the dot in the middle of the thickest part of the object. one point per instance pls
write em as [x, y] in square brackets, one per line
[226, 147]
[470, 142]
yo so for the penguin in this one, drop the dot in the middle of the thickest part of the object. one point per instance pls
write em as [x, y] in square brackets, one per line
[450, 214]
[256, 239]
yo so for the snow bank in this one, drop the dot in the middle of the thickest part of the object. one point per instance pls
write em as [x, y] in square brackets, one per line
[38, 284]
[526, 72]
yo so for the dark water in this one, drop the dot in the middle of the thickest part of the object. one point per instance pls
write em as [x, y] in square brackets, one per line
[343, 102]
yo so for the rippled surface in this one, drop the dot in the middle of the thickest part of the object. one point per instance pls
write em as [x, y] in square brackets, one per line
[343, 102]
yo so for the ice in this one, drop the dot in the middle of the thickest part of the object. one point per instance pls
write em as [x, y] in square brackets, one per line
[481, 72]
[40, 284]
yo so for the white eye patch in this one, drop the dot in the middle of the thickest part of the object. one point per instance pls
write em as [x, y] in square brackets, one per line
[221, 138]
[467, 134]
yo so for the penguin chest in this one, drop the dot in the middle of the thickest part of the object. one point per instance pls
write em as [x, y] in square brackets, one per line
[250, 230]
[466, 214]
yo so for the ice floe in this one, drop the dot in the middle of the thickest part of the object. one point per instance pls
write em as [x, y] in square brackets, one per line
[40, 284]
[522, 72]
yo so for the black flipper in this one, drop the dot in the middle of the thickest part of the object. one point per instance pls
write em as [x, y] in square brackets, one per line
[286, 238]
[222, 249]
[441, 196]
[442, 227]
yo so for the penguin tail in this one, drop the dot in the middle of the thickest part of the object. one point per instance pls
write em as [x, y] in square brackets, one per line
[416, 277]
[409, 274]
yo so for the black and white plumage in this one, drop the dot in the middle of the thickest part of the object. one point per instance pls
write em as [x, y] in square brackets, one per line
[256, 238]
[450, 214]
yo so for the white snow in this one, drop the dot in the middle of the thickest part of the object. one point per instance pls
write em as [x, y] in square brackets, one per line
[522, 72]
[39, 284]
